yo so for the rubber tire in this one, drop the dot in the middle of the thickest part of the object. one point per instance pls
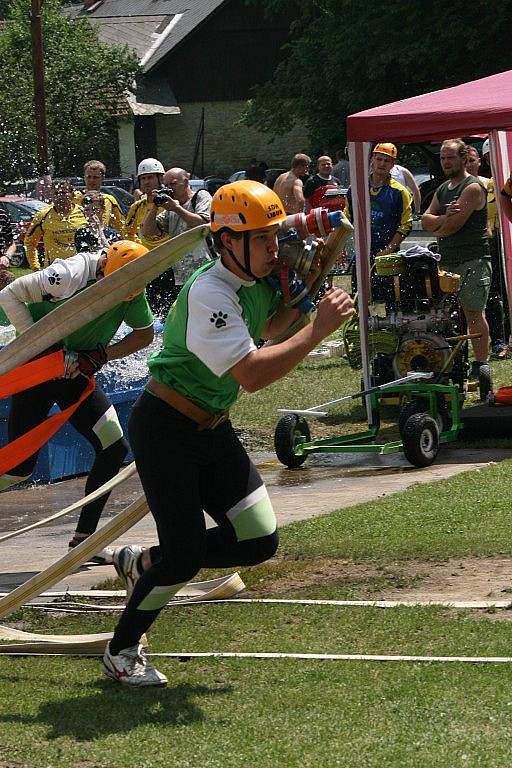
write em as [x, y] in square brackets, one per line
[420, 437]
[419, 405]
[287, 429]
[484, 381]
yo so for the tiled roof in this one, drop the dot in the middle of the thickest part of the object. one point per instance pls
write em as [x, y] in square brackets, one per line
[197, 12]
[137, 32]
[123, 8]
[151, 28]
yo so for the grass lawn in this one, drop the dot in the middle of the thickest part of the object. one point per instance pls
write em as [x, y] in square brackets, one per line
[19, 271]
[231, 712]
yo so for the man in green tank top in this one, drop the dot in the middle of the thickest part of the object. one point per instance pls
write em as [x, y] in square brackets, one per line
[457, 216]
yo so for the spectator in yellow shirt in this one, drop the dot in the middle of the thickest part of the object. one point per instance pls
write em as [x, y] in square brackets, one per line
[149, 174]
[55, 226]
[94, 177]
[506, 198]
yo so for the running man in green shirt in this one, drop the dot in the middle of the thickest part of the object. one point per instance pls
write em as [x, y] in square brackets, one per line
[31, 297]
[189, 458]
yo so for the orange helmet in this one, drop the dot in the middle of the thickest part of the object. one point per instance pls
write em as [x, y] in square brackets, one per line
[386, 149]
[245, 205]
[120, 253]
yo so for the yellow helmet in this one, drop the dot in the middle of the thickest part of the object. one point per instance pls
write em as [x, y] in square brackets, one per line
[386, 148]
[120, 253]
[245, 205]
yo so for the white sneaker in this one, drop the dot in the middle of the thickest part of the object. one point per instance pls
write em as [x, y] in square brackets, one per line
[130, 667]
[103, 557]
[125, 562]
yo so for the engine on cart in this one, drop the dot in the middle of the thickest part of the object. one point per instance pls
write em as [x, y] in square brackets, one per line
[418, 314]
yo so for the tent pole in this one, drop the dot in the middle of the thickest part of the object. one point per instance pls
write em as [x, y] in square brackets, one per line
[358, 156]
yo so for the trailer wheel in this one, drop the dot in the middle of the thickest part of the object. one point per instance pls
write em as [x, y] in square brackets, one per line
[420, 437]
[484, 381]
[420, 405]
[288, 428]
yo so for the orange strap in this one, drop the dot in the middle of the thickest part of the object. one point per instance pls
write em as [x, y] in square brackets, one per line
[29, 375]
[33, 373]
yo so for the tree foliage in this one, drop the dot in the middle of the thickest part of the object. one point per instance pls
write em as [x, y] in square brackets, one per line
[85, 82]
[347, 55]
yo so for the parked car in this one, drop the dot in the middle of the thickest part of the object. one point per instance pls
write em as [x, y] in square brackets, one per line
[21, 211]
[421, 175]
[434, 174]
[211, 183]
[197, 184]
[125, 182]
[237, 176]
[271, 175]
[124, 198]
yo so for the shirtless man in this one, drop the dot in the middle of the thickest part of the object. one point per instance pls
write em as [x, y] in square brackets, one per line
[289, 187]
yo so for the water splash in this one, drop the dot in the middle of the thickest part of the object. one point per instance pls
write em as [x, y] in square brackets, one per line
[7, 334]
[131, 372]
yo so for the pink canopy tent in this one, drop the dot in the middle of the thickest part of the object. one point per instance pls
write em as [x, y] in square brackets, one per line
[478, 107]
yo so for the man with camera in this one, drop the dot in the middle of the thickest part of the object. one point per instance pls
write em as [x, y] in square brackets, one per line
[150, 174]
[184, 210]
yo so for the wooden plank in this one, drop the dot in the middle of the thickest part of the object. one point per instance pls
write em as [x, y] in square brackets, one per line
[114, 528]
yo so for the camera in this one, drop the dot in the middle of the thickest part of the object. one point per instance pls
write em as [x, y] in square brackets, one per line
[163, 195]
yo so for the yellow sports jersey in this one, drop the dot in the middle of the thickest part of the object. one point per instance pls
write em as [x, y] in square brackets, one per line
[493, 220]
[134, 221]
[112, 213]
[57, 230]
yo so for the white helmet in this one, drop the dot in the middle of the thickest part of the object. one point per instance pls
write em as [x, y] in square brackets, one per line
[150, 165]
[486, 147]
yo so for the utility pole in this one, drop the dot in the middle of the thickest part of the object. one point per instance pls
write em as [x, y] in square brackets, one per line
[39, 97]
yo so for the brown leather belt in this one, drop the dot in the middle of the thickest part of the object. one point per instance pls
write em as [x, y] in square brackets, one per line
[203, 419]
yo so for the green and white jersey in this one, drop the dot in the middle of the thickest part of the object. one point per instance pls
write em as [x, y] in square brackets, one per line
[215, 322]
[31, 297]
[136, 313]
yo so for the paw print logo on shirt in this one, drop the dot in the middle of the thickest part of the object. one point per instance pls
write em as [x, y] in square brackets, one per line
[54, 278]
[219, 318]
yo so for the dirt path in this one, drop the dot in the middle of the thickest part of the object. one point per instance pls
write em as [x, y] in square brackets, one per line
[458, 579]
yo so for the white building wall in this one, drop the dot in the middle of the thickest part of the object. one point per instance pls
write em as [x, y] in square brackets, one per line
[228, 145]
